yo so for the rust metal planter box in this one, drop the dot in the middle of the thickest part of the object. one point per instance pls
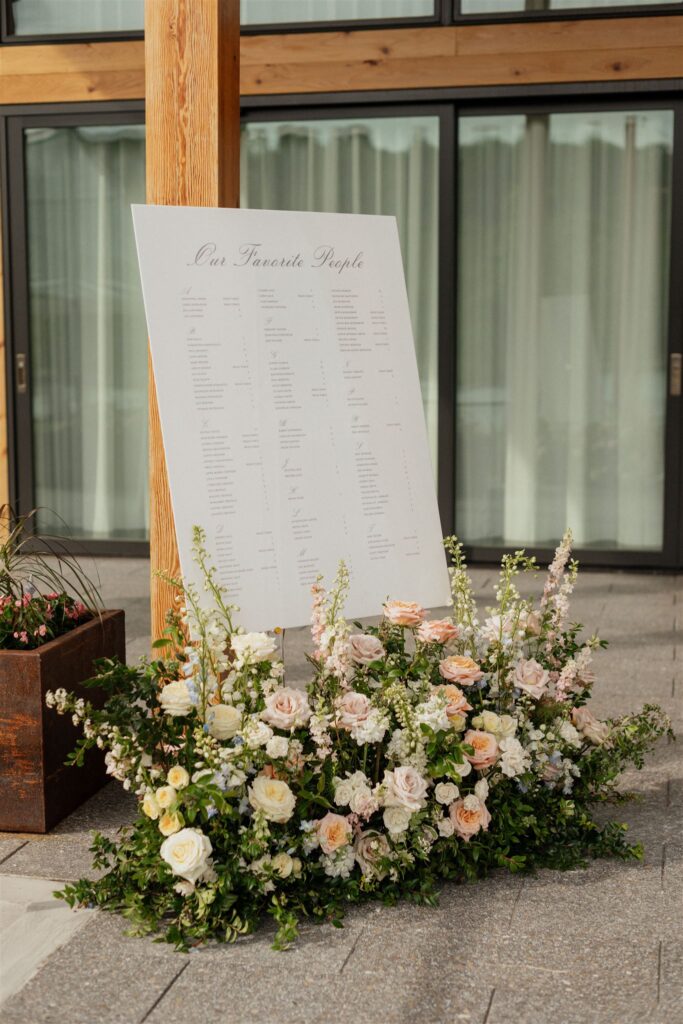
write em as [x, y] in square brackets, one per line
[36, 788]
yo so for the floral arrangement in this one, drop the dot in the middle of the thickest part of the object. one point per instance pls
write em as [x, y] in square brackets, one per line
[43, 593]
[421, 750]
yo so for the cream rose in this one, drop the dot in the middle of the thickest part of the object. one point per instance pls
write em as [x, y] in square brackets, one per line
[223, 721]
[178, 777]
[404, 613]
[437, 631]
[590, 726]
[170, 822]
[252, 647]
[369, 848]
[460, 669]
[531, 677]
[485, 748]
[273, 797]
[166, 797]
[286, 708]
[365, 648]
[334, 831]
[469, 816]
[404, 787]
[352, 708]
[282, 864]
[175, 699]
[150, 806]
[187, 853]
[446, 792]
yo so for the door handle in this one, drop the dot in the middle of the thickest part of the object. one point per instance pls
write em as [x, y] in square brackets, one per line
[675, 374]
[20, 373]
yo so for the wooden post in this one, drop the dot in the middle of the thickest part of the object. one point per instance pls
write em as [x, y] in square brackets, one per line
[193, 126]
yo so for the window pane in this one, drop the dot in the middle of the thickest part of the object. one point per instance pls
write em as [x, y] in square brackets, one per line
[55, 17]
[373, 165]
[87, 329]
[562, 324]
[511, 6]
[273, 12]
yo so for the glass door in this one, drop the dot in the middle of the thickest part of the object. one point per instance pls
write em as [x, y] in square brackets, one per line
[564, 333]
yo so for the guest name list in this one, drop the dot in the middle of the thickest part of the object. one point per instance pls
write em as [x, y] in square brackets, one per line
[290, 406]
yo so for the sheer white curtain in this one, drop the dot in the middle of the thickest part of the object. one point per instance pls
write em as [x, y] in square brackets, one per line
[562, 318]
[87, 329]
[379, 165]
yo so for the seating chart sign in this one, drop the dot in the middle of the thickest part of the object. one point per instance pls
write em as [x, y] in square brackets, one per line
[290, 406]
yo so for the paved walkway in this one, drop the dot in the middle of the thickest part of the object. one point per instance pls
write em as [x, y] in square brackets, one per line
[597, 946]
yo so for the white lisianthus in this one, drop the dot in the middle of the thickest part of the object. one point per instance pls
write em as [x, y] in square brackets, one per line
[175, 699]
[277, 746]
[252, 647]
[166, 797]
[150, 806]
[446, 827]
[446, 792]
[396, 819]
[223, 721]
[187, 853]
[178, 777]
[273, 798]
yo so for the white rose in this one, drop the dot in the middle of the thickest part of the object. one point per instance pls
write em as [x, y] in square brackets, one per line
[396, 820]
[365, 648]
[150, 806]
[223, 721]
[277, 746]
[405, 787]
[481, 789]
[282, 864]
[343, 793]
[446, 827]
[286, 708]
[446, 792]
[273, 797]
[463, 769]
[252, 647]
[178, 777]
[170, 822]
[166, 797]
[490, 722]
[175, 698]
[531, 677]
[187, 853]
[507, 727]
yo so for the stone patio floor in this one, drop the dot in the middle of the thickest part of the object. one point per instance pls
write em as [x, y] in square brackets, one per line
[597, 946]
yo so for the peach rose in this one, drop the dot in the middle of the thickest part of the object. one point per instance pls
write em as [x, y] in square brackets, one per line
[365, 648]
[485, 748]
[531, 677]
[469, 816]
[437, 631]
[334, 831]
[590, 726]
[457, 701]
[460, 669]
[352, 708]
[404, 613]
[369, 848]
[286, 708]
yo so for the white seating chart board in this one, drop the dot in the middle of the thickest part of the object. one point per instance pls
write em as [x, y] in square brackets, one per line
[290, 406]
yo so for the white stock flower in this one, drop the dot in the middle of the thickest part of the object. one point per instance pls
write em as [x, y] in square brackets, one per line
[481, 789]
[370, 729]
[514, 758]
[446, 792]
[187, 853]
[569, 734]
[277, 746]
[252, 647]
[175, 699]
[256, 733]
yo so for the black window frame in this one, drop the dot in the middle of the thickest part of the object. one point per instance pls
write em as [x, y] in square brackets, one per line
[623, 10]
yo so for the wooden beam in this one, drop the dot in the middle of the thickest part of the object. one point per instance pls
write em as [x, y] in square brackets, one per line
[193, 125]
[592, 50]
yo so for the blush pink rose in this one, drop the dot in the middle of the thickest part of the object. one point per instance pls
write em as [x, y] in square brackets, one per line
[590, 726]
[469, 816]
[352, 708]
[334, 831]
[405, 787]
[404, 613]
[460, 669]
[457, 701]
[286, 708]
[531, 677]
[437, 631]
[485, 748]
[365, 648]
